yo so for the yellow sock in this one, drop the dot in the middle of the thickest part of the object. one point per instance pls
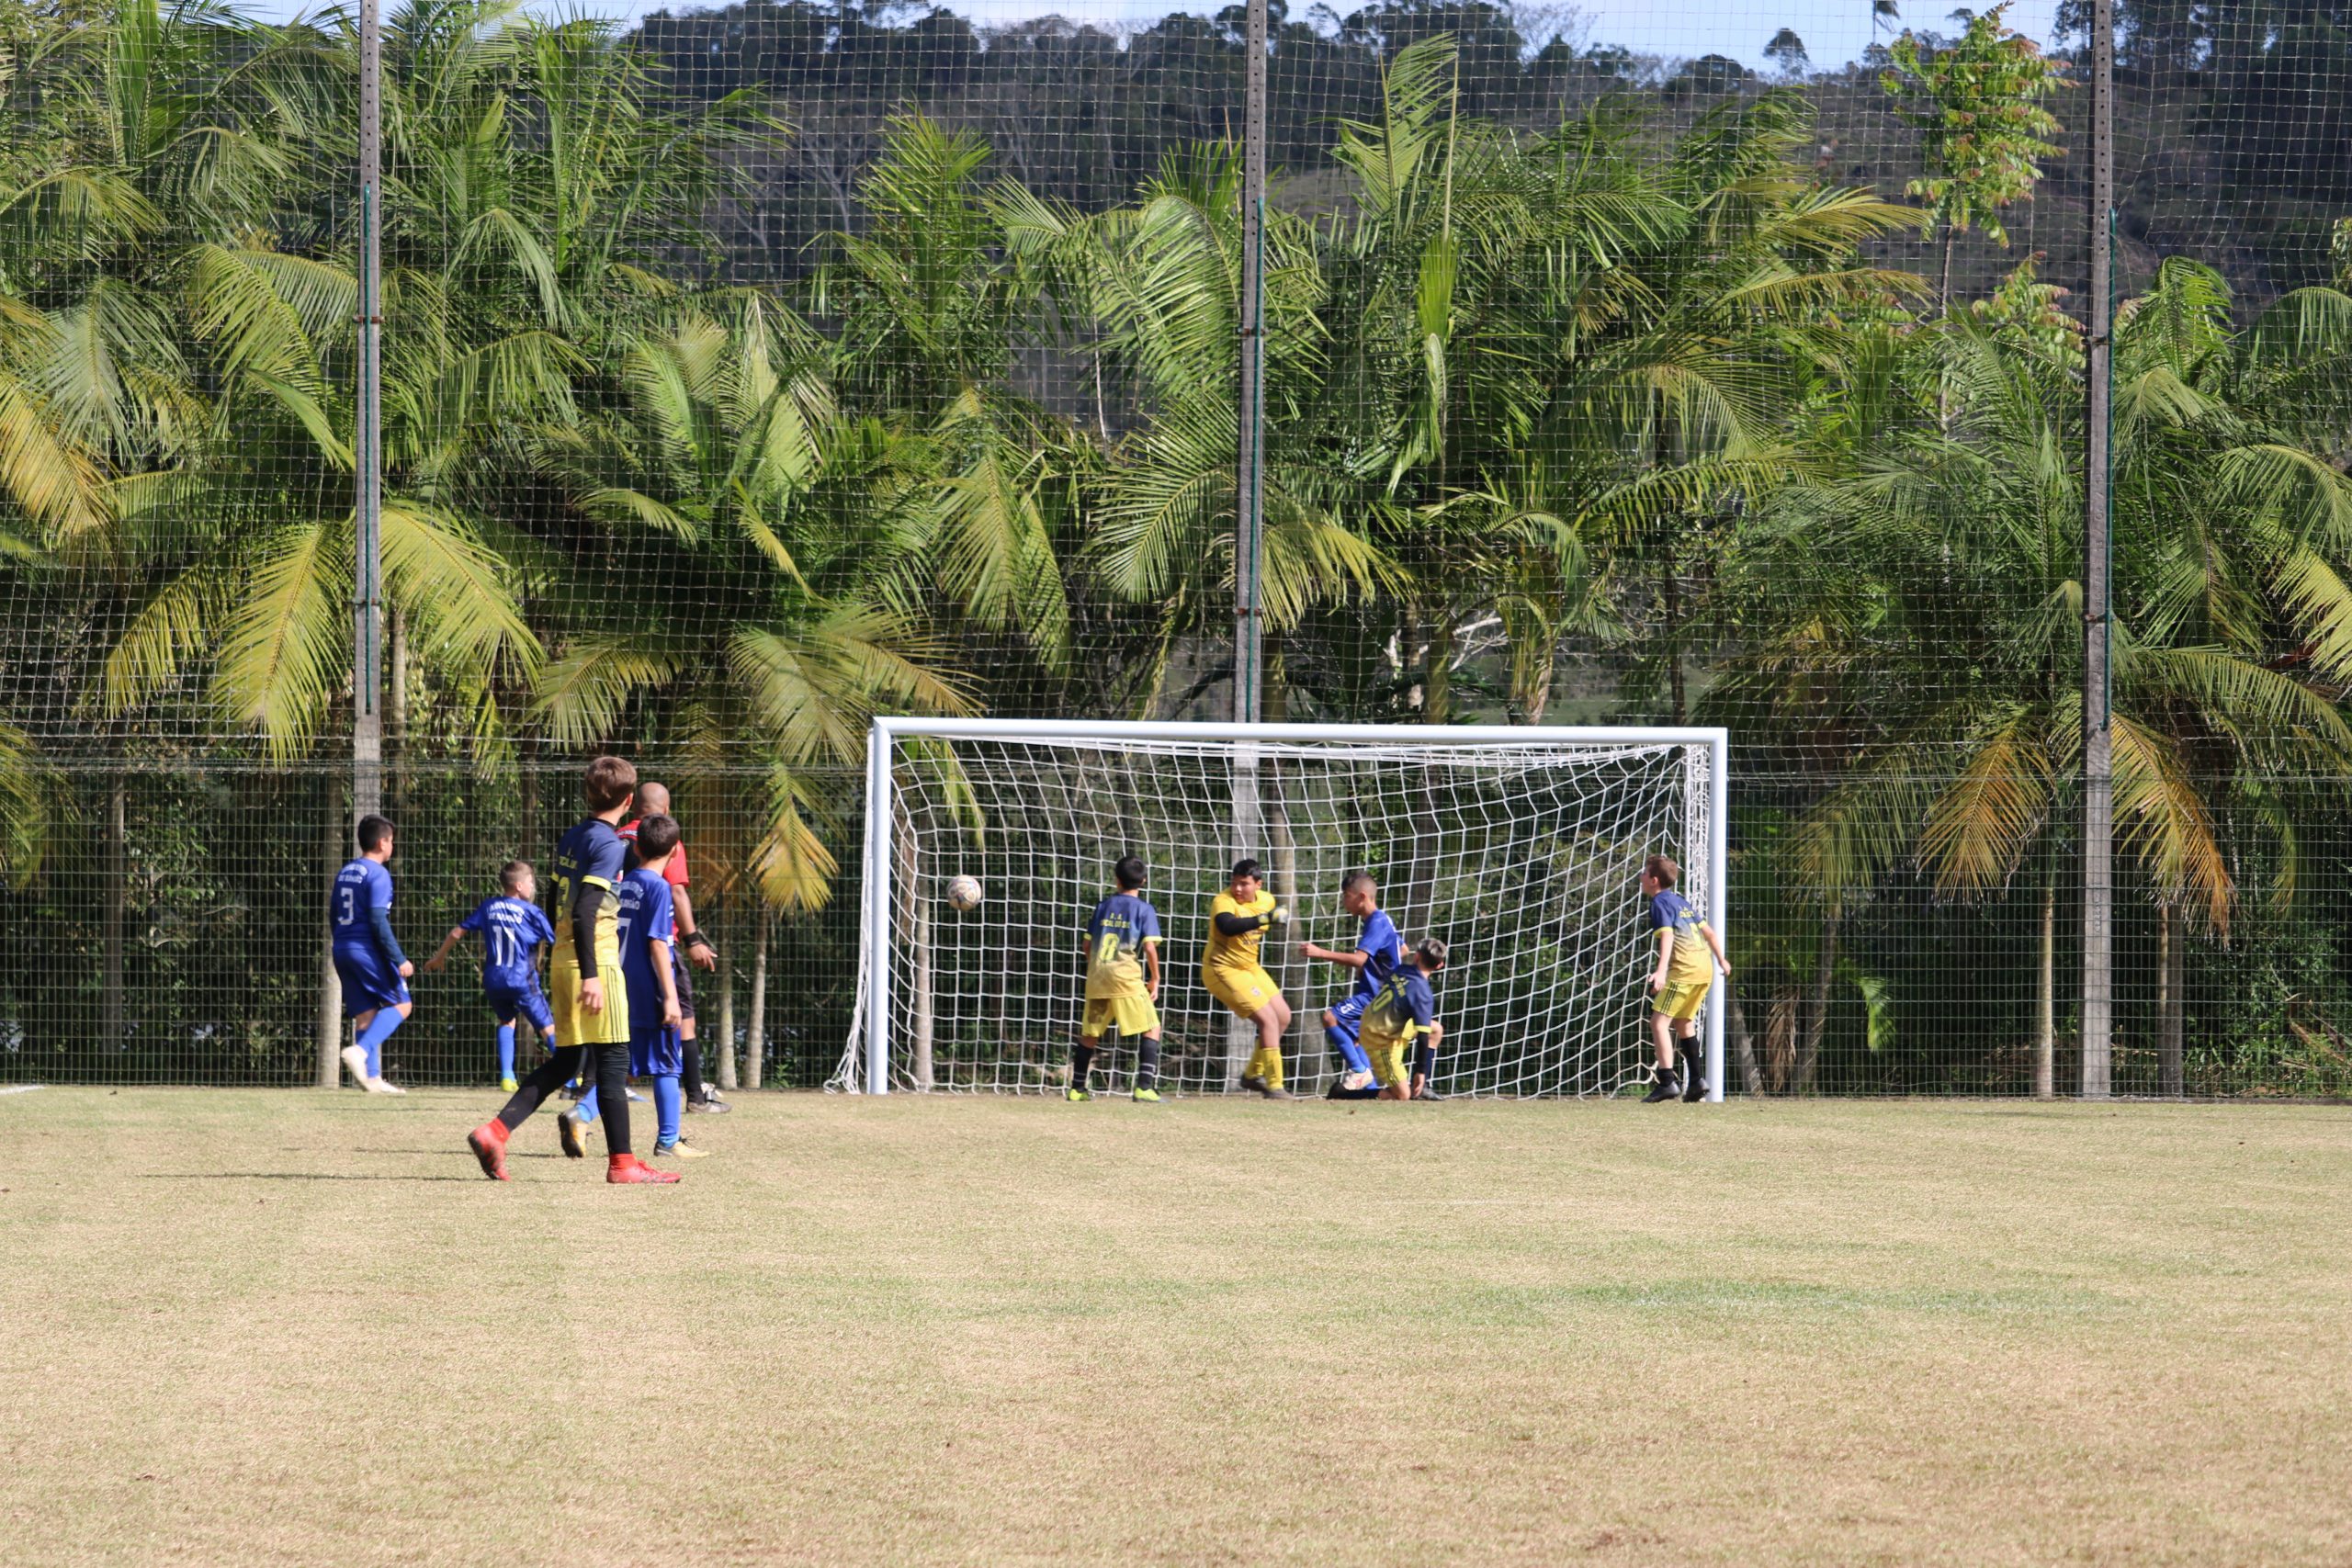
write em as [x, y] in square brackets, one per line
[1274, 1070]
[1257, 1067]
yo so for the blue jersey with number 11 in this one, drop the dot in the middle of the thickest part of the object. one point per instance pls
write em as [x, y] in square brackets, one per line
[512, 934]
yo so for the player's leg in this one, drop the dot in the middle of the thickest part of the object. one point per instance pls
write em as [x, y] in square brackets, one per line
[1146, 1088]
[1664, 1085]
[489, 1140]
[507, 1054]
[1098, 1015]
[1343, 1028]
[354, 1056]
[1695, 1067]
[622, 1168]
[1137, 1020]
[1273, 1023]
[1388, 1069]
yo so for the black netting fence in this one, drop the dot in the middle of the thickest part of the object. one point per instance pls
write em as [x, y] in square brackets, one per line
[751, 370]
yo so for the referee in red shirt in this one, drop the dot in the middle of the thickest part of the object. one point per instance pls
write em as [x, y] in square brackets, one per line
[691, 948]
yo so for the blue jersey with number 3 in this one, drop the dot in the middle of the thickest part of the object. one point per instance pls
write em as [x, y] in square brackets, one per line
[360, 886]
[512, 934]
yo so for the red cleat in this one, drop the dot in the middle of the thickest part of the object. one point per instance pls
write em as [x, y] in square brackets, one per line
[627, 1170]
[489, 1144]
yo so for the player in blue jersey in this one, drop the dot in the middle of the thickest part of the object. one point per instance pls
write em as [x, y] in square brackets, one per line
[369, 962]
[513, 928]
[1377, 953]
[648, 925]
[1122, 983]
[1403, 1017]
[1680, 984]
[586, 985]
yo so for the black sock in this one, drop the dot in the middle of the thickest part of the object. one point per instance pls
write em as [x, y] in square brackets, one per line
[1147, 1063]
[612, 1096]
[690, 1074]
[1081, 1062]
[546, 1079]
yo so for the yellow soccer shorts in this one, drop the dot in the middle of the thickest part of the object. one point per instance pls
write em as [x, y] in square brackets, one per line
[1133, 1016]
[574, 1026]
[1387, 1061]
[1243, 991]
[1680, 1000]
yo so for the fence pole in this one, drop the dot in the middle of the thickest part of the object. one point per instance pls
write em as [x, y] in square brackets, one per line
[2098, 735]
[368, 588]
[1250, 482]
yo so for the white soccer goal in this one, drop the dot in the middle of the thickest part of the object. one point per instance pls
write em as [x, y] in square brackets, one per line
[1521, 846]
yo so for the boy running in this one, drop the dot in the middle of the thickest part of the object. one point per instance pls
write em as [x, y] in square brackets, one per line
[1680, 984]
[589, 996]
[648, 942]
[367, 957]
[1404, 1013]
[1238, 921]
[1377, 953]
[1122, 983]
[513, 929]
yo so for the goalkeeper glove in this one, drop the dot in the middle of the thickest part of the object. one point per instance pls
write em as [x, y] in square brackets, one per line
[1277, 915]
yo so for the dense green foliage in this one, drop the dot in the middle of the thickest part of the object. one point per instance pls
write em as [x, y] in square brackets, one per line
[1583, 401]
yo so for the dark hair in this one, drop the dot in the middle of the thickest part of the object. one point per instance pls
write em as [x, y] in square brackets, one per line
[1129, 872]
[656, 835]
[1248, 868]
[610, 780]
[1353, 881]
[1431, 950]
[511, 874]
[373, 831]
[1664, 869]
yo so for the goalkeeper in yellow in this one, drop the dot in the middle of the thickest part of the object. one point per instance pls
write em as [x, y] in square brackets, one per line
[1238, 921]
[1122, 983]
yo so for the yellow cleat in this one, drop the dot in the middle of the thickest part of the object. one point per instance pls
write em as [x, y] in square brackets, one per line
[1146, 1097]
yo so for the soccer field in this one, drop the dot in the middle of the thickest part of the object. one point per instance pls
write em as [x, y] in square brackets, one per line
[256, 1326]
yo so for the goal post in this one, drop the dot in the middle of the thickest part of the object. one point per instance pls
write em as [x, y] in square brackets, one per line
[1518, 846]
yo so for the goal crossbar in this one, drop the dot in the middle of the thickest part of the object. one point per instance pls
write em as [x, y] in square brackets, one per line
[871, 1027]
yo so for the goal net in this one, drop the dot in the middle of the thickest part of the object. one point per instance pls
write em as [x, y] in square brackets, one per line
[1520, 848]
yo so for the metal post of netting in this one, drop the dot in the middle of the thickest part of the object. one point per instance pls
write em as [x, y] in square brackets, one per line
[367, 587]
[1250, 484]
[2098, 735]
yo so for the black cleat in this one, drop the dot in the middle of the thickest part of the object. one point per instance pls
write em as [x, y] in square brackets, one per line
[567, 1129]
[1695, 1091]
[1664, 1086]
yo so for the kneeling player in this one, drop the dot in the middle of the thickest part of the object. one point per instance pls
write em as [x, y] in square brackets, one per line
[1680, 985]
[1402, 1016]
[1122, 983]
[1375, 957]
[1238, 921]
[512, 930]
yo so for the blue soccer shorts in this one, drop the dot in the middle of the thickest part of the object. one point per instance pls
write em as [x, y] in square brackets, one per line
[1347, 1014]
[656, 1053]
[526, 1002]
[368, 985]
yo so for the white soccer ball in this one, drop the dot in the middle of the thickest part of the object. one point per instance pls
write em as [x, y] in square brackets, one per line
[964, 892]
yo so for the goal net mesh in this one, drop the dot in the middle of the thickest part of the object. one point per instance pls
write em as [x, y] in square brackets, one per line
[1523, 857]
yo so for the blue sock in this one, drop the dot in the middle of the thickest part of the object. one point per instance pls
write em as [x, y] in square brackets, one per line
[669, 1100]
[1352, 1053]
[505, 1050]
[585, 1112]
[371, 1039]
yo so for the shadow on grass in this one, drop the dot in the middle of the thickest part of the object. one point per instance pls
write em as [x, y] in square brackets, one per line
[290, 1175]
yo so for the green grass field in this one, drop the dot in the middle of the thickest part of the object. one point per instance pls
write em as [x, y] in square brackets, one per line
[290, 1327]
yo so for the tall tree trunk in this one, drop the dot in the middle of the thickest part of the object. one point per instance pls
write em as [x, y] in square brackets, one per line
[1675, 682]
[396, 712]
[755, 1038]
[726, 1007]
[330, 1018]
[1437, 680]
[2045, 997]
[1816, 1015]
[528, 828]
[111, 1027]
[2172, 1000]
[1751, 1076]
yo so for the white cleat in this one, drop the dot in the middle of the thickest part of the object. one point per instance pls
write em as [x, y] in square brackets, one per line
[356, 1060]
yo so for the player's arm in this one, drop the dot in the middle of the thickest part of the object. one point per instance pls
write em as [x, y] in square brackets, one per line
[699, 949]
[1151, 968]
[587, 904]
[1228, 923]
[448, 945]
[379, 922]
[671, 1017]
[1353, 957]
[1715, 946]
[1665, 956]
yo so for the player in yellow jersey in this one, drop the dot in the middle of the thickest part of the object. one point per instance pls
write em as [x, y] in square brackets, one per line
[1122, 983]
[1679, 986]
[1404, 1014]
[1238, 921]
